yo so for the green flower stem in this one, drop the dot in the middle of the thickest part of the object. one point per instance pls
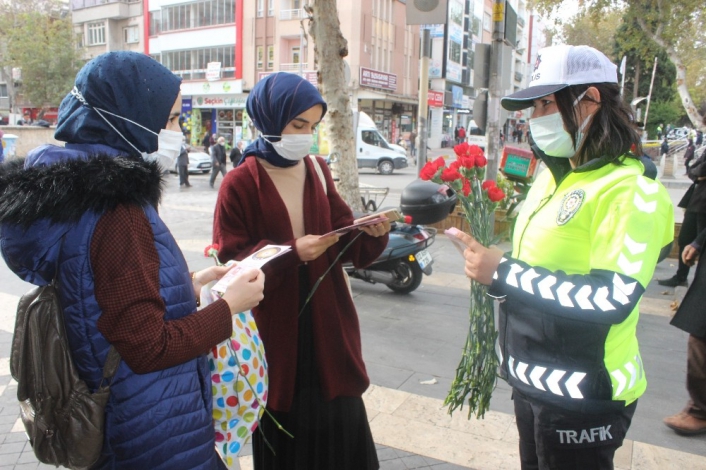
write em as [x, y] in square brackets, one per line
[321, 278]
[476, 373]
[259, 401]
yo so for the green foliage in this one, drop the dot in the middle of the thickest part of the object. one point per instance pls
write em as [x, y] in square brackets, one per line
[41, 43]
[656, 28]
[665, 112]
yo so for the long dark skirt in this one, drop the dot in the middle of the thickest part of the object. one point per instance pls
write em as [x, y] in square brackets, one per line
[331, 435]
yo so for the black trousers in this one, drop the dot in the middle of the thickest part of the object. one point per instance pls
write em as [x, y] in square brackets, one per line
[552, 438]
[696, 377]
[183, 175]
[215, 170]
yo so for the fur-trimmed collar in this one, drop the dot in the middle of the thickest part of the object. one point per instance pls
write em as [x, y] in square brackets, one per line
[64, 191]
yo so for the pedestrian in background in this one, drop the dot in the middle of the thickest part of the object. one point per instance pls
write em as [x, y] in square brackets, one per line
[689, 154]
[279, 196]
[85, 215]
[691, 317]
[218, 160]
[694, 204]
[567, 292]
[664, 148]
[183, 167]
[236, 153]
[2, 148]
[206, 142]
[413, 143]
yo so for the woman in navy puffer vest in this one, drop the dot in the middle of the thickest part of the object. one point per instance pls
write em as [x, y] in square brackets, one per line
[85, 215]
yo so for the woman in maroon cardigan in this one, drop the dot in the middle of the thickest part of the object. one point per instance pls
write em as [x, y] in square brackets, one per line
[316, 370]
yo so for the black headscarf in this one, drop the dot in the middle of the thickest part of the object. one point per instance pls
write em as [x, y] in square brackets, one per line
[272, 104]
[128, 84]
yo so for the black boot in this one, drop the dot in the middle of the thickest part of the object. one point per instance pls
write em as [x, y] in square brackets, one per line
[673, 281]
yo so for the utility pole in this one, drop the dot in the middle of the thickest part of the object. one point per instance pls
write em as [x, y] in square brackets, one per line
[425, 51]
[649, 96]
[495, 90]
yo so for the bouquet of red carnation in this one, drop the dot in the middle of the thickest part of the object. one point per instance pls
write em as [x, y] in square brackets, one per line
[476, 373]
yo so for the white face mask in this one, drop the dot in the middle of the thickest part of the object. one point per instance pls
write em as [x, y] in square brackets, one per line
[292, 146]
[550, 136]
[168, 147]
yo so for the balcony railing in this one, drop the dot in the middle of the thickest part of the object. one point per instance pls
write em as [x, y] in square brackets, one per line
[293, 67]
[296, 14]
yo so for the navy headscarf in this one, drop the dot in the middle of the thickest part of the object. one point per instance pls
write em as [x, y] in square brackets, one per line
[272, 104]
[129, 84]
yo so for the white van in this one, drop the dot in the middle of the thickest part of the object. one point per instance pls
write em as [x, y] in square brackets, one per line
[476, 136]
[373, 151]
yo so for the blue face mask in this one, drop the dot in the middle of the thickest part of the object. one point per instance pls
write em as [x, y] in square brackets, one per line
[550, 136]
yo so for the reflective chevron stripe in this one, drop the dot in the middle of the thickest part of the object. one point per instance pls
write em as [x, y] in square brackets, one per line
[628, 375]
[554, 381]
[585, 297]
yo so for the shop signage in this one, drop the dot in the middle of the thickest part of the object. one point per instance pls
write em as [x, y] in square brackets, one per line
[435, 99]
[456, 96]
[375, 79]
[215, 101]
[213, 71]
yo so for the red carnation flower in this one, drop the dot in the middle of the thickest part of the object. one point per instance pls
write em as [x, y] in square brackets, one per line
[487, 184]
[467, 162]
[466, 189]
[474, 151]
[428, 171]
[455, 165]
[210, 250]
[496, 194]
[439, 162]
[481, 161]
[450, 174]
[461, 149]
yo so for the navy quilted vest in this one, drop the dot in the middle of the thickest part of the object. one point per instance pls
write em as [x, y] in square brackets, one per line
[159, 420]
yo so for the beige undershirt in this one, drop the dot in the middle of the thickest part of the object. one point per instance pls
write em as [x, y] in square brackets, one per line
[290, 186]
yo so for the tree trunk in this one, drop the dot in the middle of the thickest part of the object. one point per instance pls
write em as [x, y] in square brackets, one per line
[691, 111]
[330, 47]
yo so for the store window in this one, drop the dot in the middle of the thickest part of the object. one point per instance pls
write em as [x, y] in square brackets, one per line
[270, 57]
[260, 57]
[131, 34]
[260, 8]
[155, 23]
[296, 54]
[270, 7]
[96, 34]
[192, 64]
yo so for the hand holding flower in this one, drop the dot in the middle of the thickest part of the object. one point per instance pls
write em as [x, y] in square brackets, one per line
[375, 230]
[481, 262]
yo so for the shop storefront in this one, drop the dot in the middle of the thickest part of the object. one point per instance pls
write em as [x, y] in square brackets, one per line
[395, 116]
[214, 108]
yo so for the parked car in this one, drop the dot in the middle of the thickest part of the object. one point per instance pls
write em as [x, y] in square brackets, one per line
[199, 161]
[678, 133]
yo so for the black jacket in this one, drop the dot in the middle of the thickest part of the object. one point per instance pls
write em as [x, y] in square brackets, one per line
[691, 316]
[697, 201]
[218, 154]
